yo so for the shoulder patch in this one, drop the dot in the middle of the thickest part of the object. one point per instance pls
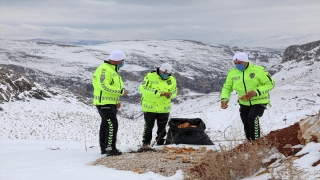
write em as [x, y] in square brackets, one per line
[102, 77]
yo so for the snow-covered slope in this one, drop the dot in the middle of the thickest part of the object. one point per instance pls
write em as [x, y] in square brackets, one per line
[297, 84]
[199, 67]
[64, 117]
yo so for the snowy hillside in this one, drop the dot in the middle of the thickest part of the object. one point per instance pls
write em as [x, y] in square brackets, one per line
[199, 67]
[297, 84]
[64, 117]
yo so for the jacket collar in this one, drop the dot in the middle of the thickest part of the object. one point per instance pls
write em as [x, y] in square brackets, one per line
[115, 66]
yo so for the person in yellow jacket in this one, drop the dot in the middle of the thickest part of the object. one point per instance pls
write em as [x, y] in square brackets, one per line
[158, 89]
[108, 87]
[252, 84]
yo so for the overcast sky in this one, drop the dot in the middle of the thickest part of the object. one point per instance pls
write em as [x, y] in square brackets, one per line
[210, 21]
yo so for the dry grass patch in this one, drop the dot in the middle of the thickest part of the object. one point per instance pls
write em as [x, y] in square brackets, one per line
[233, 163]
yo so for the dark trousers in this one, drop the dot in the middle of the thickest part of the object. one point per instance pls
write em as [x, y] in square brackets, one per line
[250, 118]
[150, 118]
[108, 127]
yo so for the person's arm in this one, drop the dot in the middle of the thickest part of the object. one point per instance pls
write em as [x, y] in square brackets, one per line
[106, 82]
[267, 83]
[226, 91]
[174, 91]
[146, 89]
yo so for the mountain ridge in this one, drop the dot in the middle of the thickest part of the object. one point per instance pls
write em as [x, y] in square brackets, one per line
[199, 67]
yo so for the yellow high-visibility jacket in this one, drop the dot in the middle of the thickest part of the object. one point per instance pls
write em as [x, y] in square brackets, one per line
[255, 78]
[107, 85]
[151, 89]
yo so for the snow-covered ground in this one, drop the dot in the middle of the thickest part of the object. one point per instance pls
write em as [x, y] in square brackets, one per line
[57, 138]
[51, 160]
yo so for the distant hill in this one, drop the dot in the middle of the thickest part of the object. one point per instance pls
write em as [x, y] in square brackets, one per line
[78, 42]
[198, 67]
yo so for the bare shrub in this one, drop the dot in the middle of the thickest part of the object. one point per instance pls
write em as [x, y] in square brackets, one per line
[233, 162]
[286, 170]
[234, 132]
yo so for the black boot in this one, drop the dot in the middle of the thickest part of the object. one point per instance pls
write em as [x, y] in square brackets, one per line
[103, 152]
[160, 142]
[114, 152]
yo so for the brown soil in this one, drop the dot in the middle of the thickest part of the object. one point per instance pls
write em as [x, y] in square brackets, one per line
[285, 138]
[282, 139]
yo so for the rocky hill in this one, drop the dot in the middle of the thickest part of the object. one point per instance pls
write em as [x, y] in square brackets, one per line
[304, 52]
[198, 67]
[302, 56]
[14, 86]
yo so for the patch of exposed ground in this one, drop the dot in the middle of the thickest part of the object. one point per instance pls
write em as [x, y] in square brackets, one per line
[285, 138]
[282, 139]
[165, 162]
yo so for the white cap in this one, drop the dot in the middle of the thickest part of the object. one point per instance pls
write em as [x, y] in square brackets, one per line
[117, 55]
[166, 67]
[241, 56]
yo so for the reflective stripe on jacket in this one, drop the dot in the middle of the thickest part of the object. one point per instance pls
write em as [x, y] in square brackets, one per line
[151, 88]
[107, 85]
[255, 78]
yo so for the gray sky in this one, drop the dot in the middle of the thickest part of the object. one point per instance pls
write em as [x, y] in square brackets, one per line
[231, 22]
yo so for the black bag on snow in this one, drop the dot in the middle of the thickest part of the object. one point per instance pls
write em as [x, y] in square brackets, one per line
[189, 135]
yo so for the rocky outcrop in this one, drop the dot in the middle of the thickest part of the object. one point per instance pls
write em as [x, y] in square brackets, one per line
[14, 86]
[303, 52]
[310, 129]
